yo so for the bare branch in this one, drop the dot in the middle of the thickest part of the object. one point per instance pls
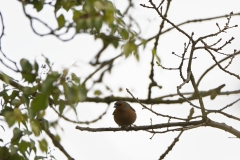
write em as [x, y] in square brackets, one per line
[138, 128]
[224, 127]
[158, 114]
[210, 68]
[171, 146]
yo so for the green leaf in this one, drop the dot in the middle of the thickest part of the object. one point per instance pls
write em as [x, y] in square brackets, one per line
[31, 113]
[5, 95]
[82, 93]
[154, 51]
[14, 94]
[38, 4]
[129, 48]
[58, 138]
[4, 153]
[124, 34]
[36, 67]
[40, 102]
[97, 92]
[25, 99]
[57, 6]
[32, 145]
[26, 66]
[67, 4]
[36, 127]
[16, 103]
[27, 132]
[17, 114]
[27, 71]
[28, 91]
[98, 21]
[10, 118]
[69, 93]
[23, 145]
[13, 149]
[39, 157]
[61, 106]
[44, 123]
[29, 77]
[17, 134]
[61, 21]
[6, 109]
[47, 85]
[43, 145]
[16, 157]
[75, 78]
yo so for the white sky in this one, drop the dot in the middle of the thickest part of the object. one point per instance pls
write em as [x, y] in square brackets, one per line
[202, 143]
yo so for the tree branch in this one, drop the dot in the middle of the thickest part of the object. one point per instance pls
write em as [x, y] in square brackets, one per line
[138, 128]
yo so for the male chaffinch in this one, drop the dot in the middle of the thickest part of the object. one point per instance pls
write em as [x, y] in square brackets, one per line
[124, 114]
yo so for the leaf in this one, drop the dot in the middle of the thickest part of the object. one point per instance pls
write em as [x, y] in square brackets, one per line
[16, 103]
[36, 67]
[43, 145]
[124, 34]
[6, 109]
[17, 134]
[27, 71]
[32, 145]
[23, 145]
[13, 149]
[25, 99]
[4, 153]
[39, 157]
[28, 91]
[61, 106]
[82, 93]
[29, 77]
[38, 4]
[31, 113]
[16, 157]
[98, 21]
[61, 21]
[17, 114]
[58, 138]
[5, 95]
[26, 66]
[154, 52]
[67, 4]
[27, 132]
[97, 92]
[10, 118]
[40, 102]
[14, 94]
[75, 78]
[129, 48]
[47, 85]
[36, 127]
[44, 123]
[69, 93]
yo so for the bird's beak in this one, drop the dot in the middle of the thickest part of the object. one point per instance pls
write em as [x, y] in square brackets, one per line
[116, 105]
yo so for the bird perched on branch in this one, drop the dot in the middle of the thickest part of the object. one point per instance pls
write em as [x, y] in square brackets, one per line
[124, 114]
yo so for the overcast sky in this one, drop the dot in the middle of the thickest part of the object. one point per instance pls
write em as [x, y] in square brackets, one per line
[202, 143]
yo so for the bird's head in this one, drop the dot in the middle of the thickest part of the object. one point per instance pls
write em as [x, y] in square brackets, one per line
[121, 105]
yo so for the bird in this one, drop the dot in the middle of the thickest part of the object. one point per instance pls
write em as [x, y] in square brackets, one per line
[124, 115]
